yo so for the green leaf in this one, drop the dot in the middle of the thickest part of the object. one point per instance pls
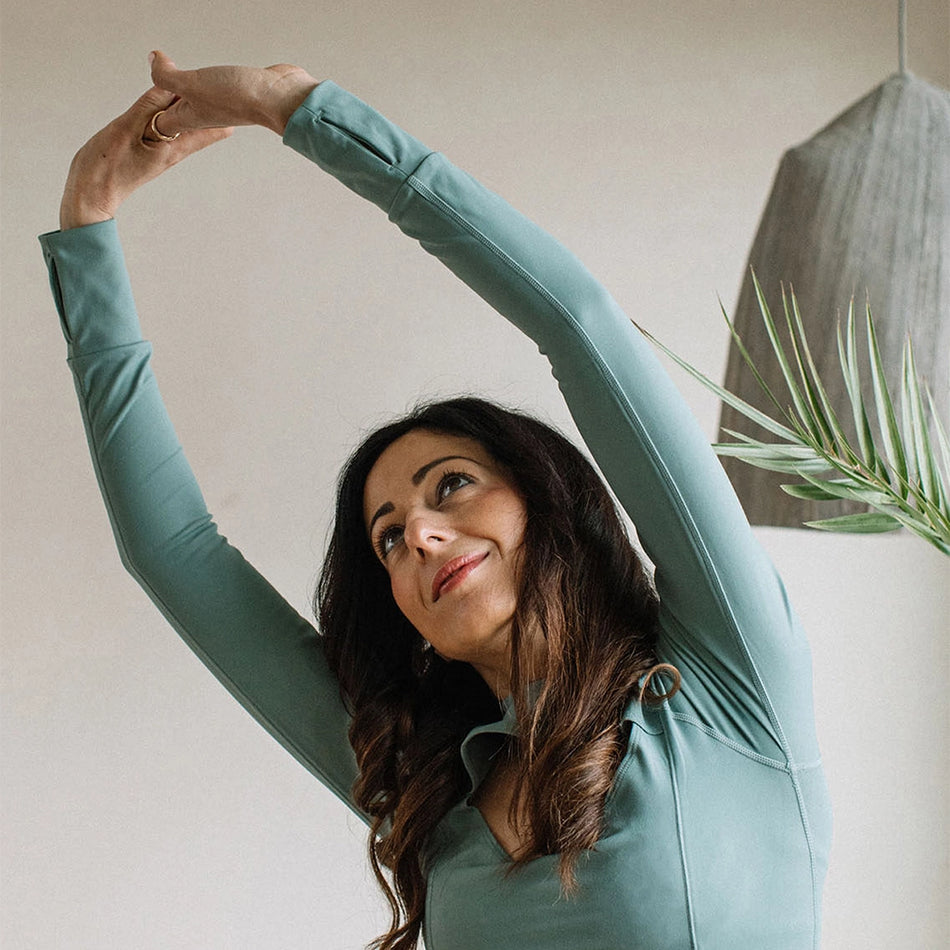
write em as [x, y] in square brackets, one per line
[749, 362]
[913, 522]
[915, 430]
[740, 405]
[872, 522]
[847, 356]
[838, 440]
[837, 490]
[779, 350]
[808, 492]
[757, 449]
[818, 423]
[767, 457]
[943, 439]
[909, 425]
[915, 505]
[885, 408]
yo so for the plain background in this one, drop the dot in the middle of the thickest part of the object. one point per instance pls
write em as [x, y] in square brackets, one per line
[141, 807]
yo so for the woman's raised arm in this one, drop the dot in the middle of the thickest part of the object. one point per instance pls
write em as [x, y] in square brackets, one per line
[726, 621]
[257, 645]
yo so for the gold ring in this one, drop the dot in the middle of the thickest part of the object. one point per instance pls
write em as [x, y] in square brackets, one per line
[160, 135]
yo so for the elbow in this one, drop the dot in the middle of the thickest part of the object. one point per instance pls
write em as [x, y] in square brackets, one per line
[158, 560]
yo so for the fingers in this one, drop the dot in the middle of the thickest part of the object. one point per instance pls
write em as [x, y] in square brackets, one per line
[151, 101]
[168, 78]
[135, 121]
[158, 128]
[174, 120]
[191, 142]
[184, 85]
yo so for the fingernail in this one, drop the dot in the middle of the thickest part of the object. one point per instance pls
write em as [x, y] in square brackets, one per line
[151, 57]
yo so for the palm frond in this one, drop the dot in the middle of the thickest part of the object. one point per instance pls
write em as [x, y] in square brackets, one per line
[901, 471]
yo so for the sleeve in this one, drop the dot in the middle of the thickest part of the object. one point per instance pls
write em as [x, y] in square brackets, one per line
[253, 641]
[725, 618]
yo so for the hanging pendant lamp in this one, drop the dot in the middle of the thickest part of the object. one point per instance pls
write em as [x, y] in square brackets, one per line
[862, 210]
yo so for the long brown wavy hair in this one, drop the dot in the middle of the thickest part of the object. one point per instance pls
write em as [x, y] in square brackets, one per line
[583, 589]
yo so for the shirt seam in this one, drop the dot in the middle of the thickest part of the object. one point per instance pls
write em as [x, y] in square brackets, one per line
[793, 770]
[681, 837]
[322, 117]
[76, 355]
[787, 765]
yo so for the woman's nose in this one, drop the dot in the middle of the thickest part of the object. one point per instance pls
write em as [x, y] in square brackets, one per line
[426, 532]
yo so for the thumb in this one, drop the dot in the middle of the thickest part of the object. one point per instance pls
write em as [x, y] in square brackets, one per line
[164, 72]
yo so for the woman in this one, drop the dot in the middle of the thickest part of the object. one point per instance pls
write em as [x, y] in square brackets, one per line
[651, 778]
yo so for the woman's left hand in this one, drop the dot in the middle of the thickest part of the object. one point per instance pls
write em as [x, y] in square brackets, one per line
[124, 156]
[230, 95]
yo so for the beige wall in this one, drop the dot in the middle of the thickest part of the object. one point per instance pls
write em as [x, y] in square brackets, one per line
[142, 808]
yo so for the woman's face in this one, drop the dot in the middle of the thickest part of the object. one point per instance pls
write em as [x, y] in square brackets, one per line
[448, 524]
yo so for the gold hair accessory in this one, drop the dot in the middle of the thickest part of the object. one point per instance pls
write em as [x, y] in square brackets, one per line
[161, 136]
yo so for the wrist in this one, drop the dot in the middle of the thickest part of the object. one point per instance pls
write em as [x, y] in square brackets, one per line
[285, 98]
[76, 212]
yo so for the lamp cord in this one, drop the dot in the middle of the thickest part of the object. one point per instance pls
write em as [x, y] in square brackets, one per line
[902, 36]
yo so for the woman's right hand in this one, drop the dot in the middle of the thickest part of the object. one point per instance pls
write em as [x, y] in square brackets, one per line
[123, 156]
[229, 95]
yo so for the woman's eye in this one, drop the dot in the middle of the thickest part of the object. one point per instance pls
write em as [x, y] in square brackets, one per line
[451, 482]
[387, 540]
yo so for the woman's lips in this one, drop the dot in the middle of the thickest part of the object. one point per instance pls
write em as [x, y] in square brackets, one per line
[453, 572]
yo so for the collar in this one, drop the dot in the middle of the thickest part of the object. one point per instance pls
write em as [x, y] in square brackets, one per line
[646, 718]
[484, 742]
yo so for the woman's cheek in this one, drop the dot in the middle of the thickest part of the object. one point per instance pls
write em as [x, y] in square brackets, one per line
[402, 595]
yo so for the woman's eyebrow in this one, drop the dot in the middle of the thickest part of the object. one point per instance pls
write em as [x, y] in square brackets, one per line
[421, 474]
[383, 509]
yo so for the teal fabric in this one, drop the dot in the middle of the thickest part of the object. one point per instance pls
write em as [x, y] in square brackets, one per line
[718, 825]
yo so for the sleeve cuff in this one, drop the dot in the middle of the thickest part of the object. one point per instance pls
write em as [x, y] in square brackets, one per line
[354, 143]
[91, 287]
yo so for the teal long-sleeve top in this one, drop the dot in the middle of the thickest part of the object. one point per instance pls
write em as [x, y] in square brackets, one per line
[717, 826]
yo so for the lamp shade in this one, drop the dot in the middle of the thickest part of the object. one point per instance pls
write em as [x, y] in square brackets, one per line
[862, 210]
